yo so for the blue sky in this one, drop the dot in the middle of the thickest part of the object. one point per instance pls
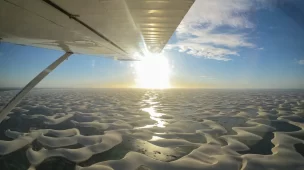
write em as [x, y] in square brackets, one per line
[219, 44]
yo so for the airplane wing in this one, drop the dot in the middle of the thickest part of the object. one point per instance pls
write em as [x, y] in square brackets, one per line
[115, 28]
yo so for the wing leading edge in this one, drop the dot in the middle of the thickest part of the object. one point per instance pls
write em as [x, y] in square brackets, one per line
[116, 28]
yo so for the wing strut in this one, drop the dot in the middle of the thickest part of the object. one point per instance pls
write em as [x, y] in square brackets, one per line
[14, 101]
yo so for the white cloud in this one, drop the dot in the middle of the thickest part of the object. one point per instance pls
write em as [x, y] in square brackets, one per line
[301, 62]
[200, 32]
[206, 51]
[219, 12]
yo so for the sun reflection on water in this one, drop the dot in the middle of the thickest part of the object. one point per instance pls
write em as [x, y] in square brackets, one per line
[154, 115]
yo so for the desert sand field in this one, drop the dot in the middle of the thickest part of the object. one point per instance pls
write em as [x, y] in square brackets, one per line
[137, 129]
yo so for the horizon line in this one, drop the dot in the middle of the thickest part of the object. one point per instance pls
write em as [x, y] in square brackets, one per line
[206, 88]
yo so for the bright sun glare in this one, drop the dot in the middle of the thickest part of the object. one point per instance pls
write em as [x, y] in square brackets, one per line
[153, 72]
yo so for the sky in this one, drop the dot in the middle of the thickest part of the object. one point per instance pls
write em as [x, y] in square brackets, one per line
[219, 44]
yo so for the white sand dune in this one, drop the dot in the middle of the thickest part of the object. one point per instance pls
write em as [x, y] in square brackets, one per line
[19, 142]
[163, 130]
[283, 151]
[50, 120]
[105, 143]
[104, 126]
[63, 133]
[67, 141]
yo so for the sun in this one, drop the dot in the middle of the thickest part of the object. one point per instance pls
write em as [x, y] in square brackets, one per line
[153, 72]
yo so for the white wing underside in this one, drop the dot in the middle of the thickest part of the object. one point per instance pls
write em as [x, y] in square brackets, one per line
[114, 28]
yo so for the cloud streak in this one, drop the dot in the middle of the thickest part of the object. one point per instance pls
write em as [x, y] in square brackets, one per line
[214, 29]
